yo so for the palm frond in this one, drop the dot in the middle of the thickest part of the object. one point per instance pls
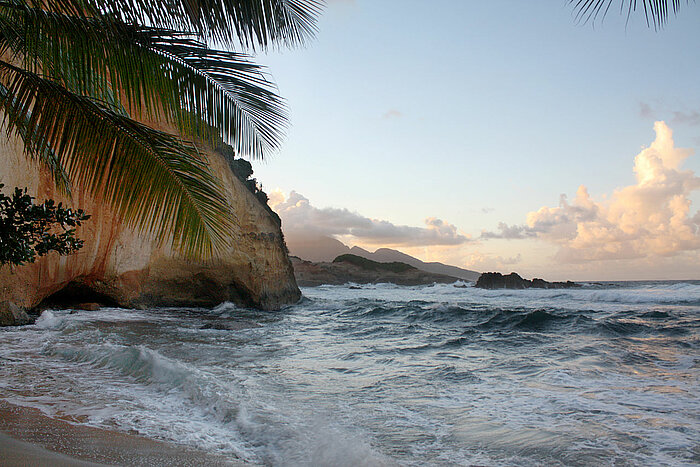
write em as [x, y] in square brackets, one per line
[249, 23]
[153, 180]
[656, 12]
[223, 89]
[44, 155]
[165, 72]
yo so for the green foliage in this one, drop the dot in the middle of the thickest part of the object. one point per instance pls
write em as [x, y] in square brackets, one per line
[370, 265]
[241, 168]
[243, 171]
[76, 74]
[175, 186]
[28, 230]
[656, 12]
[230, 22]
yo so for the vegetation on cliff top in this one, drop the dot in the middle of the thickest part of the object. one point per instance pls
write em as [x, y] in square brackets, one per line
[79, 77]
[243, 170]
[368, 264]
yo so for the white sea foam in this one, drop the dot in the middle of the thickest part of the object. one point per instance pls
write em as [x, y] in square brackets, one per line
[385, 375]
[224, 307]
[50, 320]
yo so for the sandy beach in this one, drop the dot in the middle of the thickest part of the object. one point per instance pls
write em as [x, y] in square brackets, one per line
[29, 438]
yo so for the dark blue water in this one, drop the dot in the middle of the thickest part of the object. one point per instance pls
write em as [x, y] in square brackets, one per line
[602, 375]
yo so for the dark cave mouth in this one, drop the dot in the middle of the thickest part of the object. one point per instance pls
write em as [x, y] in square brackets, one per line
[74, 294]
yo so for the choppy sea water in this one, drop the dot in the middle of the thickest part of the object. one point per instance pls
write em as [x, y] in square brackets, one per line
[384, 375]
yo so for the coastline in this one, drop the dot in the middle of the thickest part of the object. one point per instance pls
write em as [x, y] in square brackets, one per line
[29, 438]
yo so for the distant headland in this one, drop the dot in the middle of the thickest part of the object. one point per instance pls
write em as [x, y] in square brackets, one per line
[349, 268]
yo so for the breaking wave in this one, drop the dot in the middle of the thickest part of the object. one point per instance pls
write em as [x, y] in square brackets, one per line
[385, 375]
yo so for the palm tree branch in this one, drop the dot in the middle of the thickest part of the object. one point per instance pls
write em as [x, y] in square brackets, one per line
[153, 180]
[250, 115]
[656, 12]
[44, 155]
[167, 73]
[244, 22]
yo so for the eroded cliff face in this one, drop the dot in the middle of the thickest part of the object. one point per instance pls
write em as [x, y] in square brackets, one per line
[128, 268]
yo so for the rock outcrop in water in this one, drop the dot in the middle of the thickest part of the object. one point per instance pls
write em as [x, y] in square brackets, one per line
[496, 280]
[351, 268]
[120, 266]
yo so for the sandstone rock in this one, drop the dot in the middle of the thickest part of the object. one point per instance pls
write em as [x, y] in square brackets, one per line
[90, 306]
[130, 269]
[12, 315]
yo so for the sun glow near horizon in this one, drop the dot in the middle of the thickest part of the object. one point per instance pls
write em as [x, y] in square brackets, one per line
[482, 122]
[648, 227]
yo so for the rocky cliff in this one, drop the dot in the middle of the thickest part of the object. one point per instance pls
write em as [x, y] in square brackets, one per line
[121, 266]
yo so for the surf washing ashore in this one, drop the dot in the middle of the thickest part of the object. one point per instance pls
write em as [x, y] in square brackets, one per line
[377, 375]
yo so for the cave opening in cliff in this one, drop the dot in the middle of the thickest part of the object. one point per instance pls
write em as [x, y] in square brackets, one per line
[74, 294]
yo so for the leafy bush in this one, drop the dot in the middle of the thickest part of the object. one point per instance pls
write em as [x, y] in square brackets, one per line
[28, 230]
[243, 170]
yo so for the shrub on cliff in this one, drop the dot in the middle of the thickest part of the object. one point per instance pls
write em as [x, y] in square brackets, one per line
[28, 230]
[79, 77]
[243, 170]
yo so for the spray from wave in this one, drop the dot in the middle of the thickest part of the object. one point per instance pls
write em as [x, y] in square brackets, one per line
[385, 375]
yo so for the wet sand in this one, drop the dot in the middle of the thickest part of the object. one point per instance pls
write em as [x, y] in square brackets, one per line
[29, 438]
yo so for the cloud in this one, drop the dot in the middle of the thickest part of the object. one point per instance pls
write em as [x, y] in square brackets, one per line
[487, 210]
[300, 218]
[651, 218]
[511, 259]
[509, 232]
[680, 117]
[486, 262]
[688, 118]
[392, 113]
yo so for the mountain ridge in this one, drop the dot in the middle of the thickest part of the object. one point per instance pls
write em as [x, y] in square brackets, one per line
[350, 268]
[325, 249]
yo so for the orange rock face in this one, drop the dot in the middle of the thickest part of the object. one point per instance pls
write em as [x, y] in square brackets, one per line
[128, 268]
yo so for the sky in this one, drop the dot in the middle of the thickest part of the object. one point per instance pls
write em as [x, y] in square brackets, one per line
[495, 136]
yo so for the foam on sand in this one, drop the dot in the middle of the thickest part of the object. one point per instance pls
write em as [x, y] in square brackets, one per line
[31, 438]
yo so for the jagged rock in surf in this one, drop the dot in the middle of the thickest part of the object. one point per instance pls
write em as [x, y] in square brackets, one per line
[12, 315]
[496, 280]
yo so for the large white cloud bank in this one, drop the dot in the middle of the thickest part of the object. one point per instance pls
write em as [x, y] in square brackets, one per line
[301, 219]
[650, 218]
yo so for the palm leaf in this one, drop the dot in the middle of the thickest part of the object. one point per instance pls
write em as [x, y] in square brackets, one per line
[656, 12]
[163, 72]
[151, 178]
[224, 90]
[246, 22]
[45, 155]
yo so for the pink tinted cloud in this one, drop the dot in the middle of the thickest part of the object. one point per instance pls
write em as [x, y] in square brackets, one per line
[651, 218]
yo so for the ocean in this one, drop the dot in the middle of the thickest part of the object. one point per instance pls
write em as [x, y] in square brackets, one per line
[606, 374]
